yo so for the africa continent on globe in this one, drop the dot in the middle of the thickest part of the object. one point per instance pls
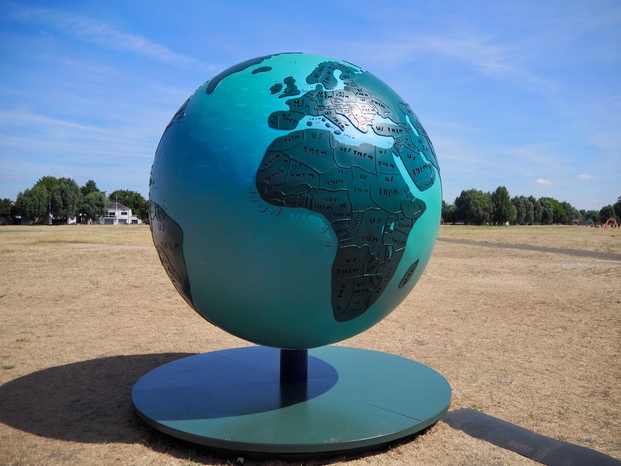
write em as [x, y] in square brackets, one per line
[295, 200]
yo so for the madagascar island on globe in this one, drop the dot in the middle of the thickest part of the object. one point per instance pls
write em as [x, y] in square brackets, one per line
[295, 200]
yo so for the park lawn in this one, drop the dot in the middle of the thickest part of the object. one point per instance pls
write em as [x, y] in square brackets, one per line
[607, 240]
[530, 337]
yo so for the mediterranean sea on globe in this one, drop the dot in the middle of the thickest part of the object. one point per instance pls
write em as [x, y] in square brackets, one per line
[295, 200]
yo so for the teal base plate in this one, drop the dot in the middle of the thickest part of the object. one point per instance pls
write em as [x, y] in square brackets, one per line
[232, 401]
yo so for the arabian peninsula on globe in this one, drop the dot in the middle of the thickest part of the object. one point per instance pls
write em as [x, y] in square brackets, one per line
[295, 200]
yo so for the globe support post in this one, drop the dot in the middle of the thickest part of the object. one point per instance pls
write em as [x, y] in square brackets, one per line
[293, 366]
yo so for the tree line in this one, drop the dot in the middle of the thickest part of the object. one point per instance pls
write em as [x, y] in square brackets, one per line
[475, 207]
[63, 199]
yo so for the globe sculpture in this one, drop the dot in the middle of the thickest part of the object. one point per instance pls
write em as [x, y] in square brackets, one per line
[295, 201]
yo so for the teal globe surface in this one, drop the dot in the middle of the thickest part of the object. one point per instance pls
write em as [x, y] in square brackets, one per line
[295, 200]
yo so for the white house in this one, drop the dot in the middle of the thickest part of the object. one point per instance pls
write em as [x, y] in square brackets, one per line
[118, 214]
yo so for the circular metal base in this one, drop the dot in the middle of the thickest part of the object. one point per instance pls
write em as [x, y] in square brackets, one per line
[233, 401]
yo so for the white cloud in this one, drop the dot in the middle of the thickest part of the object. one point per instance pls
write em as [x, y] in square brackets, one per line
[486, 55]
[585, 177]
[541, 181]
[102, 34]
[36, 136]
[29, 119]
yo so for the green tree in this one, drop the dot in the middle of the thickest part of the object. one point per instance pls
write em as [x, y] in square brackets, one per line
[60, 197]
[33, 203]
[547, 211]
[537, 210]
[449, 213]
[93, 206]
[133, 200]
[617, 207]
[524, 210]
[558, 212]
[48, 183]
[66, 199]
[529, 218]
[503, 210]
[474, 207]
[6, 206]
[591, 214]
[520, 209]
[572, 212]
[90, 187]
[606, 212]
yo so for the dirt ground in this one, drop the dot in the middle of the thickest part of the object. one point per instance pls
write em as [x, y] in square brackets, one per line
[533, 338]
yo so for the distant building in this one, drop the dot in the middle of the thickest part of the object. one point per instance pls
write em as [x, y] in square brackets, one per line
[119, 214]
[51, 220]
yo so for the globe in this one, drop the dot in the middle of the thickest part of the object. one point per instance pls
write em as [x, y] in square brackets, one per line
[295, 200]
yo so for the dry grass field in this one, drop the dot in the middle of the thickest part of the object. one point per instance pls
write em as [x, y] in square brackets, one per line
[530, 337]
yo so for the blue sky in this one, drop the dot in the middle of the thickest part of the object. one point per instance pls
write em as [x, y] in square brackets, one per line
[522, 94]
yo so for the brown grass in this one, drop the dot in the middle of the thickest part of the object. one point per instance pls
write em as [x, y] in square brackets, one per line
[606, 240]
[532, 338]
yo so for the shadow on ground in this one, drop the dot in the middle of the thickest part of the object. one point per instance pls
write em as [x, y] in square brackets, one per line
[88, 402]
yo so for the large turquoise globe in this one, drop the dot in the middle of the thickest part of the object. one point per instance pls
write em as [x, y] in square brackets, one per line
[295, 200]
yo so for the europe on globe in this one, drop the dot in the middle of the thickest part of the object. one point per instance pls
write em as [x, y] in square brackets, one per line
[295, 200]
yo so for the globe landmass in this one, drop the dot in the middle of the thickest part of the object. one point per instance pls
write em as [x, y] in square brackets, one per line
[266, 147]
